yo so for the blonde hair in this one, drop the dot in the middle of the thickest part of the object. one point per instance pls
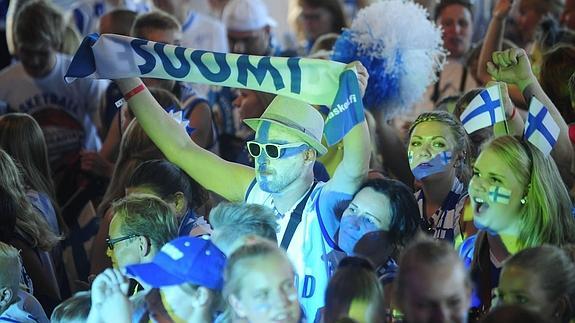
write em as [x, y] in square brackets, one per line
[237, 220]
[29, 223]
[147, 215]
[11, 266]
[74, 309]
[546, 216]
[135, 148]
[462, 148]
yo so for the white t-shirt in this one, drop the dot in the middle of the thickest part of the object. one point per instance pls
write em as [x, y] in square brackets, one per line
[206, 33]
[308, 248]
[79, 99]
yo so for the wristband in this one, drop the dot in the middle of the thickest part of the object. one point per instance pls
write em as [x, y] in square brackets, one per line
[134, 91]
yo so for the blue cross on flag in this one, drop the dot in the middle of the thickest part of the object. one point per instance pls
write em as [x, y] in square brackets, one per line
[540, 129]
[484, 110]
[498, 194]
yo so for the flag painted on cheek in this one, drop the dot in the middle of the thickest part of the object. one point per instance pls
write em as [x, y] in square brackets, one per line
[499, 194]
[314, 81]
[436, 165]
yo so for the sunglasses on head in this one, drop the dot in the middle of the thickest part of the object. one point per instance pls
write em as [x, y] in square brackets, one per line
[274, 151]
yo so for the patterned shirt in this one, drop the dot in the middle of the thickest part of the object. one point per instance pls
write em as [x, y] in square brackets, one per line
[444, 223]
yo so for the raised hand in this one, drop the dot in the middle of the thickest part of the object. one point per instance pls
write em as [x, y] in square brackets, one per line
[362, 75]
[511, 66]
[502, 8]
[109, 297]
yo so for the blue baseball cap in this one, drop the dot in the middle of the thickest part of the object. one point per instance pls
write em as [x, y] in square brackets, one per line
[183, 260]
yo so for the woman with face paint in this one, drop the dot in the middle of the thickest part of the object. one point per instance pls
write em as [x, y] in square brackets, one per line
[380, 220]
[259, 285]
[517, 193]
[518, 202]
[438, 157]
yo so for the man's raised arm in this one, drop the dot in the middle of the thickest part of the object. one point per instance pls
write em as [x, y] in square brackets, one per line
[230, 180]
[352, 170]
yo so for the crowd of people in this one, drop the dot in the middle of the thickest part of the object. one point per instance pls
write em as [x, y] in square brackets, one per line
[113, 209]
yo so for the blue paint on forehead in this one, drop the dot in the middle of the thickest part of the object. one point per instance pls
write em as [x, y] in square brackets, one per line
[263, 133]
[288, 152]
[262, 136]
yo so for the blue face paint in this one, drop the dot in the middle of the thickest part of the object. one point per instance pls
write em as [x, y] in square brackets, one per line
[436, 165]
[269, 172]
[351, 229]
[288, 152]
[263, 135]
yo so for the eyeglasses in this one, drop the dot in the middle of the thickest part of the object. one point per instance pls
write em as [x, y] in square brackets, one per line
[112, 242]
[274, 151]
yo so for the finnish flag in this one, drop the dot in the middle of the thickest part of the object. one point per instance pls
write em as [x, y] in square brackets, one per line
[540, 129]
[484, 110]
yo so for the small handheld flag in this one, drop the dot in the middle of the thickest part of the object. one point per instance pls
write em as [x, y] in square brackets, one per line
[484, 110]
[540, 129]
[498, 194]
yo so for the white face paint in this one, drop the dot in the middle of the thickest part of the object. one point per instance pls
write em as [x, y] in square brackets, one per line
[274, 175]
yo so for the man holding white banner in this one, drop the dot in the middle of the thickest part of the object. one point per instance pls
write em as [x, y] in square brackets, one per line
[287, 141]
[285, 150]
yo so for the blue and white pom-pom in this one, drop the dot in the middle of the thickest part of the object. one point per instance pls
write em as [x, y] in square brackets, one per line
[401, 49]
